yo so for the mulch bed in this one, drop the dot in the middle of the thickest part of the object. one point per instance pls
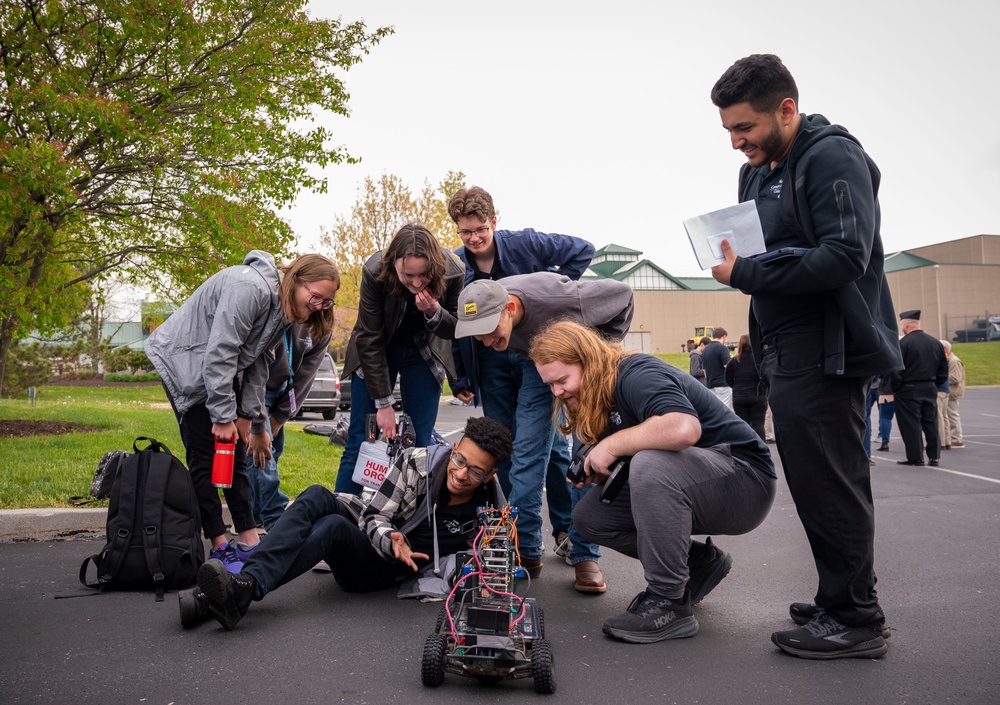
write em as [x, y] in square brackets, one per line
[19, 428]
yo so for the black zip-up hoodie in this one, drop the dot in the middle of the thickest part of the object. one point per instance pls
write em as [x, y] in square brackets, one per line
[830, 198]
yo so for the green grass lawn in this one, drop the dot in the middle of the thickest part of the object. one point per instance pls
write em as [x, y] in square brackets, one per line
[44, 471]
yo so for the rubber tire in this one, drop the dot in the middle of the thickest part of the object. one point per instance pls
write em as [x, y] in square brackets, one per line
[329, 414]
[541, 623]
[442, 618]
[432, 667]
[344, 407]
[542, 667]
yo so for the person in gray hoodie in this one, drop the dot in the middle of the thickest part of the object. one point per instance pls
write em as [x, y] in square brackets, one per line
[213, 354]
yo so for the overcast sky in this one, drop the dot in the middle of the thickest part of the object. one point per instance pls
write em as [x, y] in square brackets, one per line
[594, 119]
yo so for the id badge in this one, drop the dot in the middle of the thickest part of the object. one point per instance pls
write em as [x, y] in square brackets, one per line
[291, 402]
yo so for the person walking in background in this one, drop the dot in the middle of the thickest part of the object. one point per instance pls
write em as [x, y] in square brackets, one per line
[213, 354]
[503, 380]
[696, 367]
[749, 391]
[296, 361]
[956, 383]
[915, 390]
[715, 357]
[886, 409]
[405, 326]
[821, 325]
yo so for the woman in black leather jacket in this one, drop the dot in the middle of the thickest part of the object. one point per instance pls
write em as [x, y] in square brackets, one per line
[405, 326]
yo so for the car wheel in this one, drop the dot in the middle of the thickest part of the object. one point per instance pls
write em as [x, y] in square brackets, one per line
[432, 668]
[329, 414]
[345, 407]
[542, 667]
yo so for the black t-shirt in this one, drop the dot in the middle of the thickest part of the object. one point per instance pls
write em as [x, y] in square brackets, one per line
[648, 387]
[495, 273]
[413, 322]
[456, 526]
[778, 315]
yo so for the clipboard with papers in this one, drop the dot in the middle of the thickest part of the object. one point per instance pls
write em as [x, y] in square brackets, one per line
[738, 224]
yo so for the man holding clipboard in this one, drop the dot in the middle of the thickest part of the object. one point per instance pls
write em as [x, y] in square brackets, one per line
[821, 325]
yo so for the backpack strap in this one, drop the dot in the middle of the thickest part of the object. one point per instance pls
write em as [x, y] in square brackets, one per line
[154, 499]
[119, 543]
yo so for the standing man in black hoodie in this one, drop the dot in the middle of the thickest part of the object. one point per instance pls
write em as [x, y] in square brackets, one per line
[821, 325]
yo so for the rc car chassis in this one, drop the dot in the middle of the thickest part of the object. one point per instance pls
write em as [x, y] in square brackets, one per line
[485, 630]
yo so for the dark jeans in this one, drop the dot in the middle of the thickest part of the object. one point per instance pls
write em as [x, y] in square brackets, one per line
[421, 395]
[819, 423]
[916, 411]
[316, 527]
[199, 444]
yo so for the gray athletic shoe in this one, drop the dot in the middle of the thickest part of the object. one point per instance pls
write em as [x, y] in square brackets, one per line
[652, 618]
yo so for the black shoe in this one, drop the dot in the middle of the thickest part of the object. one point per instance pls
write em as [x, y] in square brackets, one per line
[933, 462]
[884, 446]
[826, 638]
[193, 605]
[229, 594]
[708, 571]
[805, 612]
[651, 618]
[910, 462]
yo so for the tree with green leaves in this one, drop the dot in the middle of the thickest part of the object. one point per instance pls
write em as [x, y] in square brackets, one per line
[157, 139]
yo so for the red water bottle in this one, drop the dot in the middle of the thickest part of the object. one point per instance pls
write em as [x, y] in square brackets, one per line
[222, 463]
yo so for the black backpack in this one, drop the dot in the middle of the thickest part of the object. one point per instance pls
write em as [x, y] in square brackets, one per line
[154, 525]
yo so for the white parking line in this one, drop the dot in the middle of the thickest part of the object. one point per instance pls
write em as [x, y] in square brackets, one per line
[967, 474]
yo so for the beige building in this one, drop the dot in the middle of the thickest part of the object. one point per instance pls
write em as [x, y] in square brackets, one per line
[953, 283]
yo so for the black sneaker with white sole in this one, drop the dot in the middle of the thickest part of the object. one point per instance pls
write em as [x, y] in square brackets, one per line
[229, 594]
[805, 612]
[706, 572]
[652, 618]
[825, 638]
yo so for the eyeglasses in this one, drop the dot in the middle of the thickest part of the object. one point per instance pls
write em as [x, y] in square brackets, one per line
[477, 231]
[476, 473]
[317, 301]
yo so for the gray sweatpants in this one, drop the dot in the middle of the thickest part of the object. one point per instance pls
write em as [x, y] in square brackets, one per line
[669, 496]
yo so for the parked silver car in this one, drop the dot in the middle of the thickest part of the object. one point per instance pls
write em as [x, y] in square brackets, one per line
[345, 394]
[324, 396]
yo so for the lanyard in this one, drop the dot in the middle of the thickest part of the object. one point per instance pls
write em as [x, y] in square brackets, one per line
[288, 350]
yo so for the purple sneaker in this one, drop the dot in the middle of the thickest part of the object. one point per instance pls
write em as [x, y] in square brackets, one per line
[230, 555]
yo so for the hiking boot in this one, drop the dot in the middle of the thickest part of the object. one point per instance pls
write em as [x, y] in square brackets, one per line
[707, 571]
[229, 594]
[826, 638]
[193, 605]
[652, 618]
[533, 566]
[563, 545]
[805, 612]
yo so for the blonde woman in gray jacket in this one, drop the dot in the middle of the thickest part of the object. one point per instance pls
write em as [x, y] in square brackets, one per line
[213, 355]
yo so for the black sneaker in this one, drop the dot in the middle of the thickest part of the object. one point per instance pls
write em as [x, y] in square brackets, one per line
[708, 571]
[193, 605]
[826, 638]
[229, 594]
[651, 618]
[805, 612]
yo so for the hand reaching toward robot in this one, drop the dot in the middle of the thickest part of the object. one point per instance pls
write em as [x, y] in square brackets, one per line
[401, 549]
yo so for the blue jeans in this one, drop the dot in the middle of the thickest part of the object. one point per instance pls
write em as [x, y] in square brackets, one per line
[265, 485]
[421, 395]
[513, 394]
[885, 414]
[317, 527]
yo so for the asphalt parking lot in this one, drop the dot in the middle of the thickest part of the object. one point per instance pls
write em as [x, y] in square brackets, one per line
[939, 581]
